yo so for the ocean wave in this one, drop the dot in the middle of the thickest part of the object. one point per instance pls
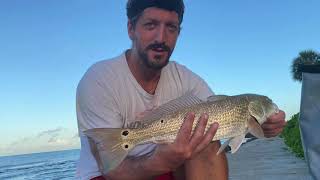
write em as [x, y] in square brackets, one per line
[46, 167]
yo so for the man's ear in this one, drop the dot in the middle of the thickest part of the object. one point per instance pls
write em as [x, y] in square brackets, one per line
[130, 28]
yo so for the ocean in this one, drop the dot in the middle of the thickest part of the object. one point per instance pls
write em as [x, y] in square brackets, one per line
[49, 165]
[58, 165]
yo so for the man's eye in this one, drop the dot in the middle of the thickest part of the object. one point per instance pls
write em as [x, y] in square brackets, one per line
[149, 25]
[173, 28]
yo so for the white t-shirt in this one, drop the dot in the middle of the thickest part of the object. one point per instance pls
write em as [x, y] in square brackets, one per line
[108, 96]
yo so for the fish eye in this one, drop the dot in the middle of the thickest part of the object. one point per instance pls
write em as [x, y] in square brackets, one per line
[162, 121]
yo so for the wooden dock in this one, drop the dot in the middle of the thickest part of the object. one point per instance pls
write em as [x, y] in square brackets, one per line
[266, 159]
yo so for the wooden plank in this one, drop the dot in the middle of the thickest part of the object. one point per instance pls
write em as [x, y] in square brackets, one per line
[266, 159]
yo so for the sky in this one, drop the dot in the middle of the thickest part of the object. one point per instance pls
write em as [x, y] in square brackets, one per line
[237, 47]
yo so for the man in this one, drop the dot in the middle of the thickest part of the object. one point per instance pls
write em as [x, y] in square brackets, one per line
[116, 92]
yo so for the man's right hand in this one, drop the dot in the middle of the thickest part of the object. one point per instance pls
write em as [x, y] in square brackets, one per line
[169, 157]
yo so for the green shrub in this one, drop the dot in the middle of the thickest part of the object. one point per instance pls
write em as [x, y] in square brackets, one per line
[291, 135]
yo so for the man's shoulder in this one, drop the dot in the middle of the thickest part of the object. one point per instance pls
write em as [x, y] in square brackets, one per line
[107, 65]
[174, 66]
[103, 72]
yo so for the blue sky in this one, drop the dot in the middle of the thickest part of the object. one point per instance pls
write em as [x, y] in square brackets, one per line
[46, 46]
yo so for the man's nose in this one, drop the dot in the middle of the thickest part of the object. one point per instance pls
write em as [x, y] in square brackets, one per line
[161, 34]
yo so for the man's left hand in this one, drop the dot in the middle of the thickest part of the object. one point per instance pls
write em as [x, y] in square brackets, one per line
[274, 124]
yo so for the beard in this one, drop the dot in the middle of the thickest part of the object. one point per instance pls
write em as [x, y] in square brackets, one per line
[156, 62]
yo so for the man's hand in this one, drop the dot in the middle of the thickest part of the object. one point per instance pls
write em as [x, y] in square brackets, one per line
[187, 145]
[274, 124]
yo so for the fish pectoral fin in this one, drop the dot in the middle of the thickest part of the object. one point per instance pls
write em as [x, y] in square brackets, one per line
[236, 142]
[223, 146]
[256, 110]
[255, 128]
[216, 98]
[111, 148]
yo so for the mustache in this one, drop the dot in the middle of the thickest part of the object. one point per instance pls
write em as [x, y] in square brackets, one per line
[159, 45]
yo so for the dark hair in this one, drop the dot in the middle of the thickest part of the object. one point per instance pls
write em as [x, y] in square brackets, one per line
[136, 7]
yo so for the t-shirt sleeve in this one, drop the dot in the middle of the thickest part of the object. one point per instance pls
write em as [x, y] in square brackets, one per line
[200, 88]
[96, 108]
[97, 105]
[87, 167]
[194, 83]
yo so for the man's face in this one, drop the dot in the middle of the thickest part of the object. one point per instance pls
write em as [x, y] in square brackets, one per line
[154, 36]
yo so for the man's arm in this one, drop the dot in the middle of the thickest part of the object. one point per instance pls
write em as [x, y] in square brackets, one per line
[168, 157]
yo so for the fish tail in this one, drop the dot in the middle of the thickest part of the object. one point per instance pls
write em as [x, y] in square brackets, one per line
[111, 149]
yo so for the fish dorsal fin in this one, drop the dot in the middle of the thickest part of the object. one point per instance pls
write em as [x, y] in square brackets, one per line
[182, 102]
[217, 98]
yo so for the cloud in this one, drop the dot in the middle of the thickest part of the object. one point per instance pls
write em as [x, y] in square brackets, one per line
[49, 140]
[51, 132]
[53, 140]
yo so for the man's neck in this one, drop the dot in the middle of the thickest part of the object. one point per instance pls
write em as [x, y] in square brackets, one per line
[147, 78]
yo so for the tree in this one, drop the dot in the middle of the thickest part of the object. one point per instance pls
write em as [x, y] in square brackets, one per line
[307, 57]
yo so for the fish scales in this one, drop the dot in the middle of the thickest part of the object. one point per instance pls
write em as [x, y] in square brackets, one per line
[231, 117]
[230, 114]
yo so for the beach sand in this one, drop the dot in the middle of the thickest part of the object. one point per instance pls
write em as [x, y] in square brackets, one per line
[266, 159]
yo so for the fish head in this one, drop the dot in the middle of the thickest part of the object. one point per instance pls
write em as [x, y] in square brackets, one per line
[261, 107]
[269, 106]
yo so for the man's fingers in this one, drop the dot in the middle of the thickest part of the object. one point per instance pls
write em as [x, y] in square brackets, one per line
[271, 126]
[207, 138]
[275, 118]
[197, 135]
[272, 133]
[183, 135]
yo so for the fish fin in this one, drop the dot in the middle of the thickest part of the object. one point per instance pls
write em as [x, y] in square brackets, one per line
[236, 142]
[255, 128]
[110, 146]
[182, 102]
[216, 98]
[223, 146]
[256, 110]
